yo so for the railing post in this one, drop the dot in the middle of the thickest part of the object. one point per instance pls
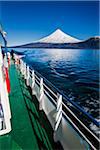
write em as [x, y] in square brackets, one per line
[24, 70]
[15, 58]
[41, 94]
[17, 63]
[28, 76]
[58, 116]
[9, 58]
[33, 82]
[21, 65]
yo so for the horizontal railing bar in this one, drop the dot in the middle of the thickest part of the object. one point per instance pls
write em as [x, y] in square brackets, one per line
[85, 113]
[80, 122]
[50, 90]
[30, 69]
[37, 77]
[79, 130]
[37, 82]
[31, 75]
[50, 96]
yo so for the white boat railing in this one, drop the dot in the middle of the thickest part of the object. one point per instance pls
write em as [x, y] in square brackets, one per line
[64, 115]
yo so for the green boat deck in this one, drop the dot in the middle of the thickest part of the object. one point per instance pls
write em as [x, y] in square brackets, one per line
[30, 128]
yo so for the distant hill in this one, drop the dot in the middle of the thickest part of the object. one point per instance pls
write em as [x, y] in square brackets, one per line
[92, 43]
[59, 39]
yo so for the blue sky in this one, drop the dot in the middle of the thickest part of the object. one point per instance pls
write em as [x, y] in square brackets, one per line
[28, 21]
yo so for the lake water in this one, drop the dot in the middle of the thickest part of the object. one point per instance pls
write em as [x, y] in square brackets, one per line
[74, 71]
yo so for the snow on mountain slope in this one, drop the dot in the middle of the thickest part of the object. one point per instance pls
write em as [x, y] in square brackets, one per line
[58, 37]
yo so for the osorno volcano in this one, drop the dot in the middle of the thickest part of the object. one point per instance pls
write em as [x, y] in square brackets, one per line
[58, 37]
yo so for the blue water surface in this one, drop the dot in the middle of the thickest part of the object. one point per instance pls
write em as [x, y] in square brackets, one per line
[74, 71]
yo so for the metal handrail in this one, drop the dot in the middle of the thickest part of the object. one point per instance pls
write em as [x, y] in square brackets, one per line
[80, 121]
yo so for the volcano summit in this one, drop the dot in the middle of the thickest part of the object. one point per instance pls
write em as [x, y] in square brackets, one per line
[58, 37]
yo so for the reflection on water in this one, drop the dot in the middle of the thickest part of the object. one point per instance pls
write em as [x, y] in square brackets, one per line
[74, 72]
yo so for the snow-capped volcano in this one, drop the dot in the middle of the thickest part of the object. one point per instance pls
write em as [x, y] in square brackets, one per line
[59, 37]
